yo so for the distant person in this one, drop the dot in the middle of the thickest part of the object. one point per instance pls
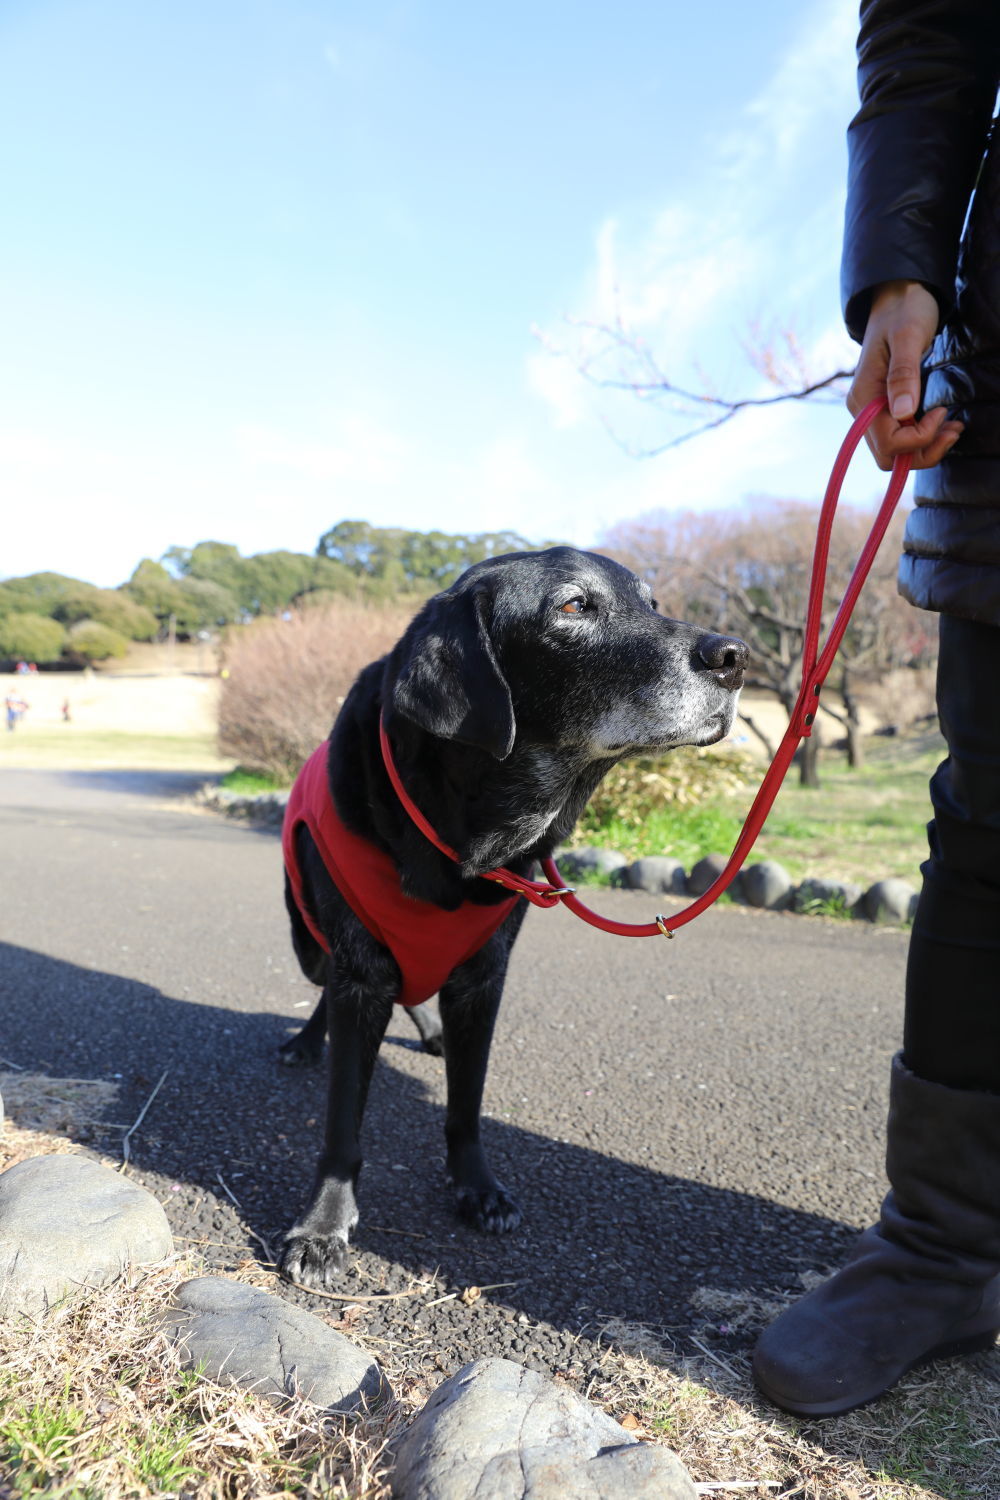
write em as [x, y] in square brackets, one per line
[922, 262]
[16, 708]
[67, 716]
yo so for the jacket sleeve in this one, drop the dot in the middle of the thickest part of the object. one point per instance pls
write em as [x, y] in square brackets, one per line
[927, 78]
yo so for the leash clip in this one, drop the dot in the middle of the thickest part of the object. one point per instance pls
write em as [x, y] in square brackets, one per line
[662, 925]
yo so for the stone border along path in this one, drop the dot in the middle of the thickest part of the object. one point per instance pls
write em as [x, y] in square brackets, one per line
[493, 1431]
[766, 885]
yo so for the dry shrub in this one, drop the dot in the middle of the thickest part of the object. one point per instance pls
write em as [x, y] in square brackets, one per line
[904, 697]
[287, 679]
[636, 788]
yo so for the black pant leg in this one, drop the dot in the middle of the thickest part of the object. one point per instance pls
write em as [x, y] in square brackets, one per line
[952, 1024]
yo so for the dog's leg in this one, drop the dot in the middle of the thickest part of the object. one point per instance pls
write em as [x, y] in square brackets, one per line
[428, 1023]
[469, 1004]
[316, 1246]
[305, 1048]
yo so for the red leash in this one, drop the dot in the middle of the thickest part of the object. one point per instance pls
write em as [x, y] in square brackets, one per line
[538, 892]
[816, 665]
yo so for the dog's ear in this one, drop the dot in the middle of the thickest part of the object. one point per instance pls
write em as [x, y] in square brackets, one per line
[448, 679]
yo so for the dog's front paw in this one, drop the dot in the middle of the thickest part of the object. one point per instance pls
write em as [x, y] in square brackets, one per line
[314, 1260]
[490, 1209]
[301, 1051]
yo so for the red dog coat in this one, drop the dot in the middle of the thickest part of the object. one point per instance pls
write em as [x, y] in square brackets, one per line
[426, 941]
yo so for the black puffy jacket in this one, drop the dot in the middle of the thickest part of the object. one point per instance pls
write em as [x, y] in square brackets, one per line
[921, 146]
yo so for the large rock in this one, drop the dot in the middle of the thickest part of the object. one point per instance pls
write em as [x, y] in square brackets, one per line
[590, 861]
[768, 885]
[816, 892]
[889, 901]
[496, 1431]
[239, 1335]
[658, 874]
[68, 1224]
[707, 871]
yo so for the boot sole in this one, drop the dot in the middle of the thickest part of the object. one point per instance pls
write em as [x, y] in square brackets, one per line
[952, 1349]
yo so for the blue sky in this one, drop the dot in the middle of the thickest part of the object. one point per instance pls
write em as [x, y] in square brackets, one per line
[270, 265]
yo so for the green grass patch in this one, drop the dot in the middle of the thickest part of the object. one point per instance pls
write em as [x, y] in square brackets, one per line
[937, 1450]
[50, 748]
[834, 906]
[859, 825]
[37, 1441]
[249, 783]
[686, 833]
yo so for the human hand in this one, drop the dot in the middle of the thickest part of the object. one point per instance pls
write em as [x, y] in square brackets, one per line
[900, 330]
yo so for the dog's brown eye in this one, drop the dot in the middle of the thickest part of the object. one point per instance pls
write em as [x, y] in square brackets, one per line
[573, 607]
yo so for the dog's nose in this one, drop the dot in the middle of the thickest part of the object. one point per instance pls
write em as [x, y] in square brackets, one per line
[726, 657]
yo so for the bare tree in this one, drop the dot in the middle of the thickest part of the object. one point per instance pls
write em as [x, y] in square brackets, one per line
[747, 573]
[614, 358]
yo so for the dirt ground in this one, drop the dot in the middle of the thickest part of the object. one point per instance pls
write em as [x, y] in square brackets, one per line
[161, 701]
[116, 702]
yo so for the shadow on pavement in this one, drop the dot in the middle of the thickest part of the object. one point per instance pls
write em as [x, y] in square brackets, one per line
[603, 1239]
[163, 785]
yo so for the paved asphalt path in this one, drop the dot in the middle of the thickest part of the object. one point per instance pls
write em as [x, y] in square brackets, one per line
[677, 1119]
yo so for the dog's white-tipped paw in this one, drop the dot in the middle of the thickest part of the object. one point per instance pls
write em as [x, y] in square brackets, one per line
[315, 1261]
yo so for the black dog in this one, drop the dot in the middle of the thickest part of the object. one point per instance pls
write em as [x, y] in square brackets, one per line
[507, 699]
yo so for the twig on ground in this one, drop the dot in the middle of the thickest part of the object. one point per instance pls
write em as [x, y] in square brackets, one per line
[730, 1486]
[142, 1115]
[391, 1296]
[413, 1291]
[450, 1297]
[262, 1241]
[715, 1358]
[227, 1190]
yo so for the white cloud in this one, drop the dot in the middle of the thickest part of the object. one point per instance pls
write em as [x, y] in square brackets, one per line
[755, 236]
[812, 84]
[557, 382]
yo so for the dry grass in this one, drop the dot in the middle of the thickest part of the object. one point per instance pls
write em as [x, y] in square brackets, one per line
[56, 1106]
[936, 1437]
[48, 1116]
[287, 678]
[94, 1404]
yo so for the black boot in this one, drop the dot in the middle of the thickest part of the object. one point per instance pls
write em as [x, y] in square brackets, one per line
[923, 1283]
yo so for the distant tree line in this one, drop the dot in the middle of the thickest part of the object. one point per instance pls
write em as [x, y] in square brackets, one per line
[394, 559]
[48, 617]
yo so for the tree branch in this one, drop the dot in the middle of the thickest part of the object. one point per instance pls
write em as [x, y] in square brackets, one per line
[651, 384]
